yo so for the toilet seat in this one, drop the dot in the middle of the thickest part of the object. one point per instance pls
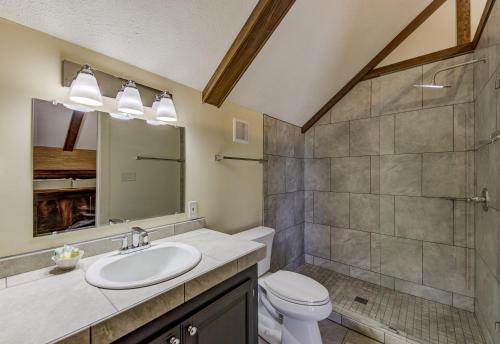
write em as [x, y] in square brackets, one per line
[296, 288]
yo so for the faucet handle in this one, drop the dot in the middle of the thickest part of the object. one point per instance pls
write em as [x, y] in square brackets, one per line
[145, 237]
[124, 240]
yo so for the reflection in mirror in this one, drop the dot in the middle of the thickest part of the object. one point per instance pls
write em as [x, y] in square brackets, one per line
[91, 169]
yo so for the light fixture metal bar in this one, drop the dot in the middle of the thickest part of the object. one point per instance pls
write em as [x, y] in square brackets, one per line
[220, 157]
[143, 157]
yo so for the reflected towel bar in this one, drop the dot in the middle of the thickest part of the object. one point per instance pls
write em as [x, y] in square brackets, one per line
[142, 157]
[219, 157]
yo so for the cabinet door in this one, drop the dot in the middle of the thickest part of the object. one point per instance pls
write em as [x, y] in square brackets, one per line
[171, 336]
[230, 319]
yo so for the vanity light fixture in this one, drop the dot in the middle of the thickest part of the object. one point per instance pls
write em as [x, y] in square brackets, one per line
[122, 116]
[84, 88]
[165, 110]
[155, 122]
[130, 101]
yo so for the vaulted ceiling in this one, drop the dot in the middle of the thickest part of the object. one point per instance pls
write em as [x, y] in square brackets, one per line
[314, 52]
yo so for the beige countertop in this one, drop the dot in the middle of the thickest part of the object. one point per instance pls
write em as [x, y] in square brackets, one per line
[46, 305]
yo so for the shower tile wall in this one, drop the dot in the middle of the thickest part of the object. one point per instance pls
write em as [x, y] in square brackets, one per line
[487, 94]
[284, 191]
[379, 170]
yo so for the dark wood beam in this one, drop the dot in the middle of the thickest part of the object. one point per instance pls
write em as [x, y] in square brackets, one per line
[420, 60]
[463, 21]
[389, 48]
[482, 22]
[262, 22]
[74, 128]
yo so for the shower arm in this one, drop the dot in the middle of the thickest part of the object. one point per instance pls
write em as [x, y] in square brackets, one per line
[456, 66]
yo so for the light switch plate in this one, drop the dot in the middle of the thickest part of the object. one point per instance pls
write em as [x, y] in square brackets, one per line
[193, 209]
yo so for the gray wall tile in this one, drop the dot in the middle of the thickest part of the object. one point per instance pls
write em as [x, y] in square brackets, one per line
[395, 92]
[461, 80]
[420, 218]
[463, 302]
[331, 208]
[375, 174]
[401, 258]
[317, 240]
[325, 119]
[387, 282]
[331, 265]
[299, 206]
[351, 174]
[355, 105]
[317, 174]
[331, 140]
[375, 252]
[423, 291]
[401, 174]
[365, 275]
[309, 206]
[487, 298]
[285, 216]
[485, 113]
[275, 174]
[269, 135]
[309, 144]
[299, 143]
[448, 268]
[294, 174]
[460, 230]
[285, 134]
[444, 174]
[364, 137]
[488, 170]
[387, 214]
[351, 247]
[387, 134]
[488, 238]
[294, 243]
[278, 252]
[463, 126]
[365, 212]
[428, 130]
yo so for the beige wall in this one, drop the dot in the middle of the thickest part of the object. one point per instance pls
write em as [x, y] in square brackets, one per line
[229, 193]
[436, 33]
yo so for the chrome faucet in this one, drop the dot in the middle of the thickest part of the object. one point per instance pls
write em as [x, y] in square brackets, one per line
[140, 240]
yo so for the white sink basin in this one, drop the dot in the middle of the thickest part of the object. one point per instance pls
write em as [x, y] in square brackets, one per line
[153, 265]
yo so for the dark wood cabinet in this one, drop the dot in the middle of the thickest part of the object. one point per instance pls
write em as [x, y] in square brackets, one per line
[227, 313]
[224, 321]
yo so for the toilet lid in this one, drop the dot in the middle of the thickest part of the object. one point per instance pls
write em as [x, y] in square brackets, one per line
[296, 288]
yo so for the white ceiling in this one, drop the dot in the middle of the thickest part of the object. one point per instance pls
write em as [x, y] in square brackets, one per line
[317, 48]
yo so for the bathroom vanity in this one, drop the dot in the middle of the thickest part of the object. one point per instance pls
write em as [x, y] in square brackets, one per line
[215, 302]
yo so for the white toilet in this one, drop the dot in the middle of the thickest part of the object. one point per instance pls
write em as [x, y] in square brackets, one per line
[290, 304]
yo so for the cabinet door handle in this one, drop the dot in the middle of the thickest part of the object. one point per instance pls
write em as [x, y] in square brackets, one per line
[192, 330]
[174, 340]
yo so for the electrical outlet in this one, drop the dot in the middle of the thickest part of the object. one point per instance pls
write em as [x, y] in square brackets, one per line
[193, 209]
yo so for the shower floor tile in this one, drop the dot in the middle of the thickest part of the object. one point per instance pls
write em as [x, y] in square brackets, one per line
[386, 311]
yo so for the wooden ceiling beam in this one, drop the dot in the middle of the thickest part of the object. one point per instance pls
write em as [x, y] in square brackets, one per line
[463, 21]
[389, 48]
[420, 60]
[262, 22]
[73, 130]
[482, 22]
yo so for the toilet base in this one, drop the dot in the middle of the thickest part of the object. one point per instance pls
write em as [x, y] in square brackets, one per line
[300, 332]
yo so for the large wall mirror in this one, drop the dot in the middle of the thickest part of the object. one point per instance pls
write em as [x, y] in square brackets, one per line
[91, 169]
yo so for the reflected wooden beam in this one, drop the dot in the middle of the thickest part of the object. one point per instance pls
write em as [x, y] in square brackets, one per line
[420, 60]
[262, 22]
[389, 48]
[73, 130]
[463, 21]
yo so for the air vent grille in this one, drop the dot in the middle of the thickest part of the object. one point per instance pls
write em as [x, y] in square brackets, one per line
[240, 131]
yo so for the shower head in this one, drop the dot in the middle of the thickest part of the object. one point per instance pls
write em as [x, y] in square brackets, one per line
[437, 86]
[432, 86]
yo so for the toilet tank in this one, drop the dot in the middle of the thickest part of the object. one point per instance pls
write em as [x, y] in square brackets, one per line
[265, 236]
